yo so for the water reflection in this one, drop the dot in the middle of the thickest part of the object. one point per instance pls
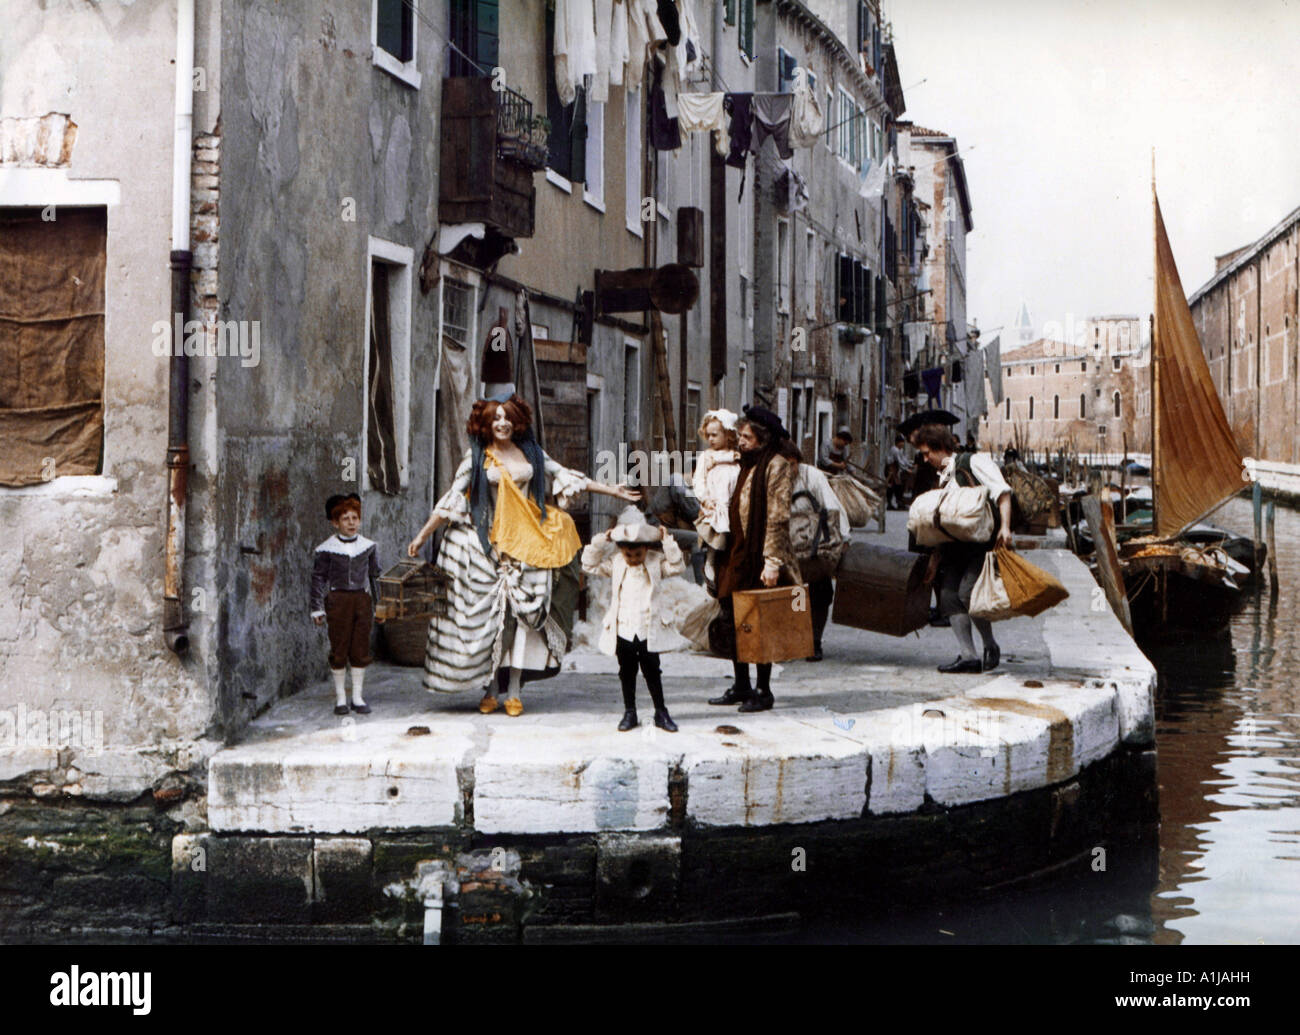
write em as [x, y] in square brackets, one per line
[1226, 868]
[1228, 737]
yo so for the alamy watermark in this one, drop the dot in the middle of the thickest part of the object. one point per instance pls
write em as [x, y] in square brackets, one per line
[21, 727]
[233, 338]
[655, 467]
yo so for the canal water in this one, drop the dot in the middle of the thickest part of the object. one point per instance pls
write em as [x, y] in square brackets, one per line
[1226, 867]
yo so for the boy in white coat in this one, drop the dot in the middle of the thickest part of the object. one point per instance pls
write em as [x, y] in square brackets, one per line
[636, 558]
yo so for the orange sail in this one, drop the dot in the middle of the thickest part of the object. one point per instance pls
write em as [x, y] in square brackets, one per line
[1195, 461]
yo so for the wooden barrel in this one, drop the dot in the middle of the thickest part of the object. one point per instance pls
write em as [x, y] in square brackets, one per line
[881, 589]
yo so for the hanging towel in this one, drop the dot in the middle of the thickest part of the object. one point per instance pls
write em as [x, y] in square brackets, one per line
[665, 134]
[741, 107]
[575, 46]
[806, 122]
[644, 32]
[604, 52]
[772, 118]
[700, 112]
[617, 42]
[933, 381]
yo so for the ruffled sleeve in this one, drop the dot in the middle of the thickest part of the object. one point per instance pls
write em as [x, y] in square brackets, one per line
[562, 482]
[454, 505]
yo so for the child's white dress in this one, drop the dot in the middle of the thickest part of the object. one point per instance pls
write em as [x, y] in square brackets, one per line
[716, 472]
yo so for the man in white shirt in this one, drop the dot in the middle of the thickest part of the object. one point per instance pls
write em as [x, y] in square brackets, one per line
[962, 562]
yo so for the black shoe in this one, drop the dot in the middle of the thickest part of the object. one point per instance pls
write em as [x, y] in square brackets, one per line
[963, 665]
[760, 702]
[665, 721]
[361, 709]
[992, 655]
[628, 721]
[340, 709]
[733, 696]
[816, 655]
[940, 622]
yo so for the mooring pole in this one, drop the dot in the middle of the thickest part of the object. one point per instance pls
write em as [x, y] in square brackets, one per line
[1269, 516]
[1257, 504]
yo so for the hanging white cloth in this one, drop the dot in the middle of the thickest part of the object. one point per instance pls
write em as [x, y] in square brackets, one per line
[644, 31]
[686, 17]
[617, 42]
[700, 112]
[575, 46]
[806, 122]
[600, 81]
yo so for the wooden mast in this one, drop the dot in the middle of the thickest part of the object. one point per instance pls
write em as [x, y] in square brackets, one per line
[1155, 352]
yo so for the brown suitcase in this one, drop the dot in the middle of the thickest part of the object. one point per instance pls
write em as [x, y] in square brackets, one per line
[773, 624]
[881, 589]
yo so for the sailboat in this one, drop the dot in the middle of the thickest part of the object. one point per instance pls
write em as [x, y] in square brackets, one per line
[1174, 579]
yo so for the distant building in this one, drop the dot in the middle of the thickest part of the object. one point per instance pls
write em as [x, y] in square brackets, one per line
[1246, 316]
[934, 162]
[1086, 395]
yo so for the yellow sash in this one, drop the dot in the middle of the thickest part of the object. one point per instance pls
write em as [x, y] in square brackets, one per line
[518, 531]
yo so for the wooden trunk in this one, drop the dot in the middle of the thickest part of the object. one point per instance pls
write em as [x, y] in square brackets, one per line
[882, 590]
[773, 624]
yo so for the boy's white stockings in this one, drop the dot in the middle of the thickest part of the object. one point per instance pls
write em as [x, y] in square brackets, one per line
[340, 692]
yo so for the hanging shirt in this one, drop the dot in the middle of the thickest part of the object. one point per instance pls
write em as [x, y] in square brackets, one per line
[806, 122]
[664, 132]
[772, 118]
[698, 112]
[741, 106]
[933, 380]
[575, 46]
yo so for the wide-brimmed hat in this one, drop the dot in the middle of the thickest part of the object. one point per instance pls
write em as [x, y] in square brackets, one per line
[632, 529]
[765, 417]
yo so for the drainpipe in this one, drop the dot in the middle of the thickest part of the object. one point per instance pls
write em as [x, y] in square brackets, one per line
[175, 626]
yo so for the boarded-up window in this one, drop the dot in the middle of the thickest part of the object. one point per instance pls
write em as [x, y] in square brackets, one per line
[51, 343]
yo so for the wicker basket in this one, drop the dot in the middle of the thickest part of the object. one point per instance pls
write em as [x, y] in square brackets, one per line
[405, 639]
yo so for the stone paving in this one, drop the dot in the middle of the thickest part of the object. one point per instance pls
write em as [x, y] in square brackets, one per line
[872, 727]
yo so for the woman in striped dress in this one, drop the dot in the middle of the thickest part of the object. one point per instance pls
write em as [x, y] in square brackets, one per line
[512, 560]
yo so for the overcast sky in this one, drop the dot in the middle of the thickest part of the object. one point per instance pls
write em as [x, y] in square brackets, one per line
[1056, 105]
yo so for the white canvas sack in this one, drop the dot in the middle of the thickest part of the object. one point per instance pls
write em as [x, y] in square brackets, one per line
[988, 599]
[951, 513]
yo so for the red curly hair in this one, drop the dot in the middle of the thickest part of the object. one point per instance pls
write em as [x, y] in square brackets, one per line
[484, 413]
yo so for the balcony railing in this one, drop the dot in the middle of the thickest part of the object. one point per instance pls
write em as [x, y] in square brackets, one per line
[491, 146]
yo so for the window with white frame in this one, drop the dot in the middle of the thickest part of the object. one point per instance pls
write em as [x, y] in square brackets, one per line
[831, 129]
[782, 265]
[386, 373]
[632, 161]
[745, 389]
[694, 392]
[845, 122]
[593, 191]
[393, 26]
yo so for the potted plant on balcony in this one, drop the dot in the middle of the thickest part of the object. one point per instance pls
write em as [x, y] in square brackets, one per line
[526, 142]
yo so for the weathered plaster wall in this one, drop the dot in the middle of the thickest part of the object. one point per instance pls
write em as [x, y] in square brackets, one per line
[321, 149]
[843, 222]
[81, 597]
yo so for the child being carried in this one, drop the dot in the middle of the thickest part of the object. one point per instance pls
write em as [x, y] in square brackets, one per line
[716, 471]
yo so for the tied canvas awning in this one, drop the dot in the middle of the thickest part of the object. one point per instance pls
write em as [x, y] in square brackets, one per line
[1196, 464]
